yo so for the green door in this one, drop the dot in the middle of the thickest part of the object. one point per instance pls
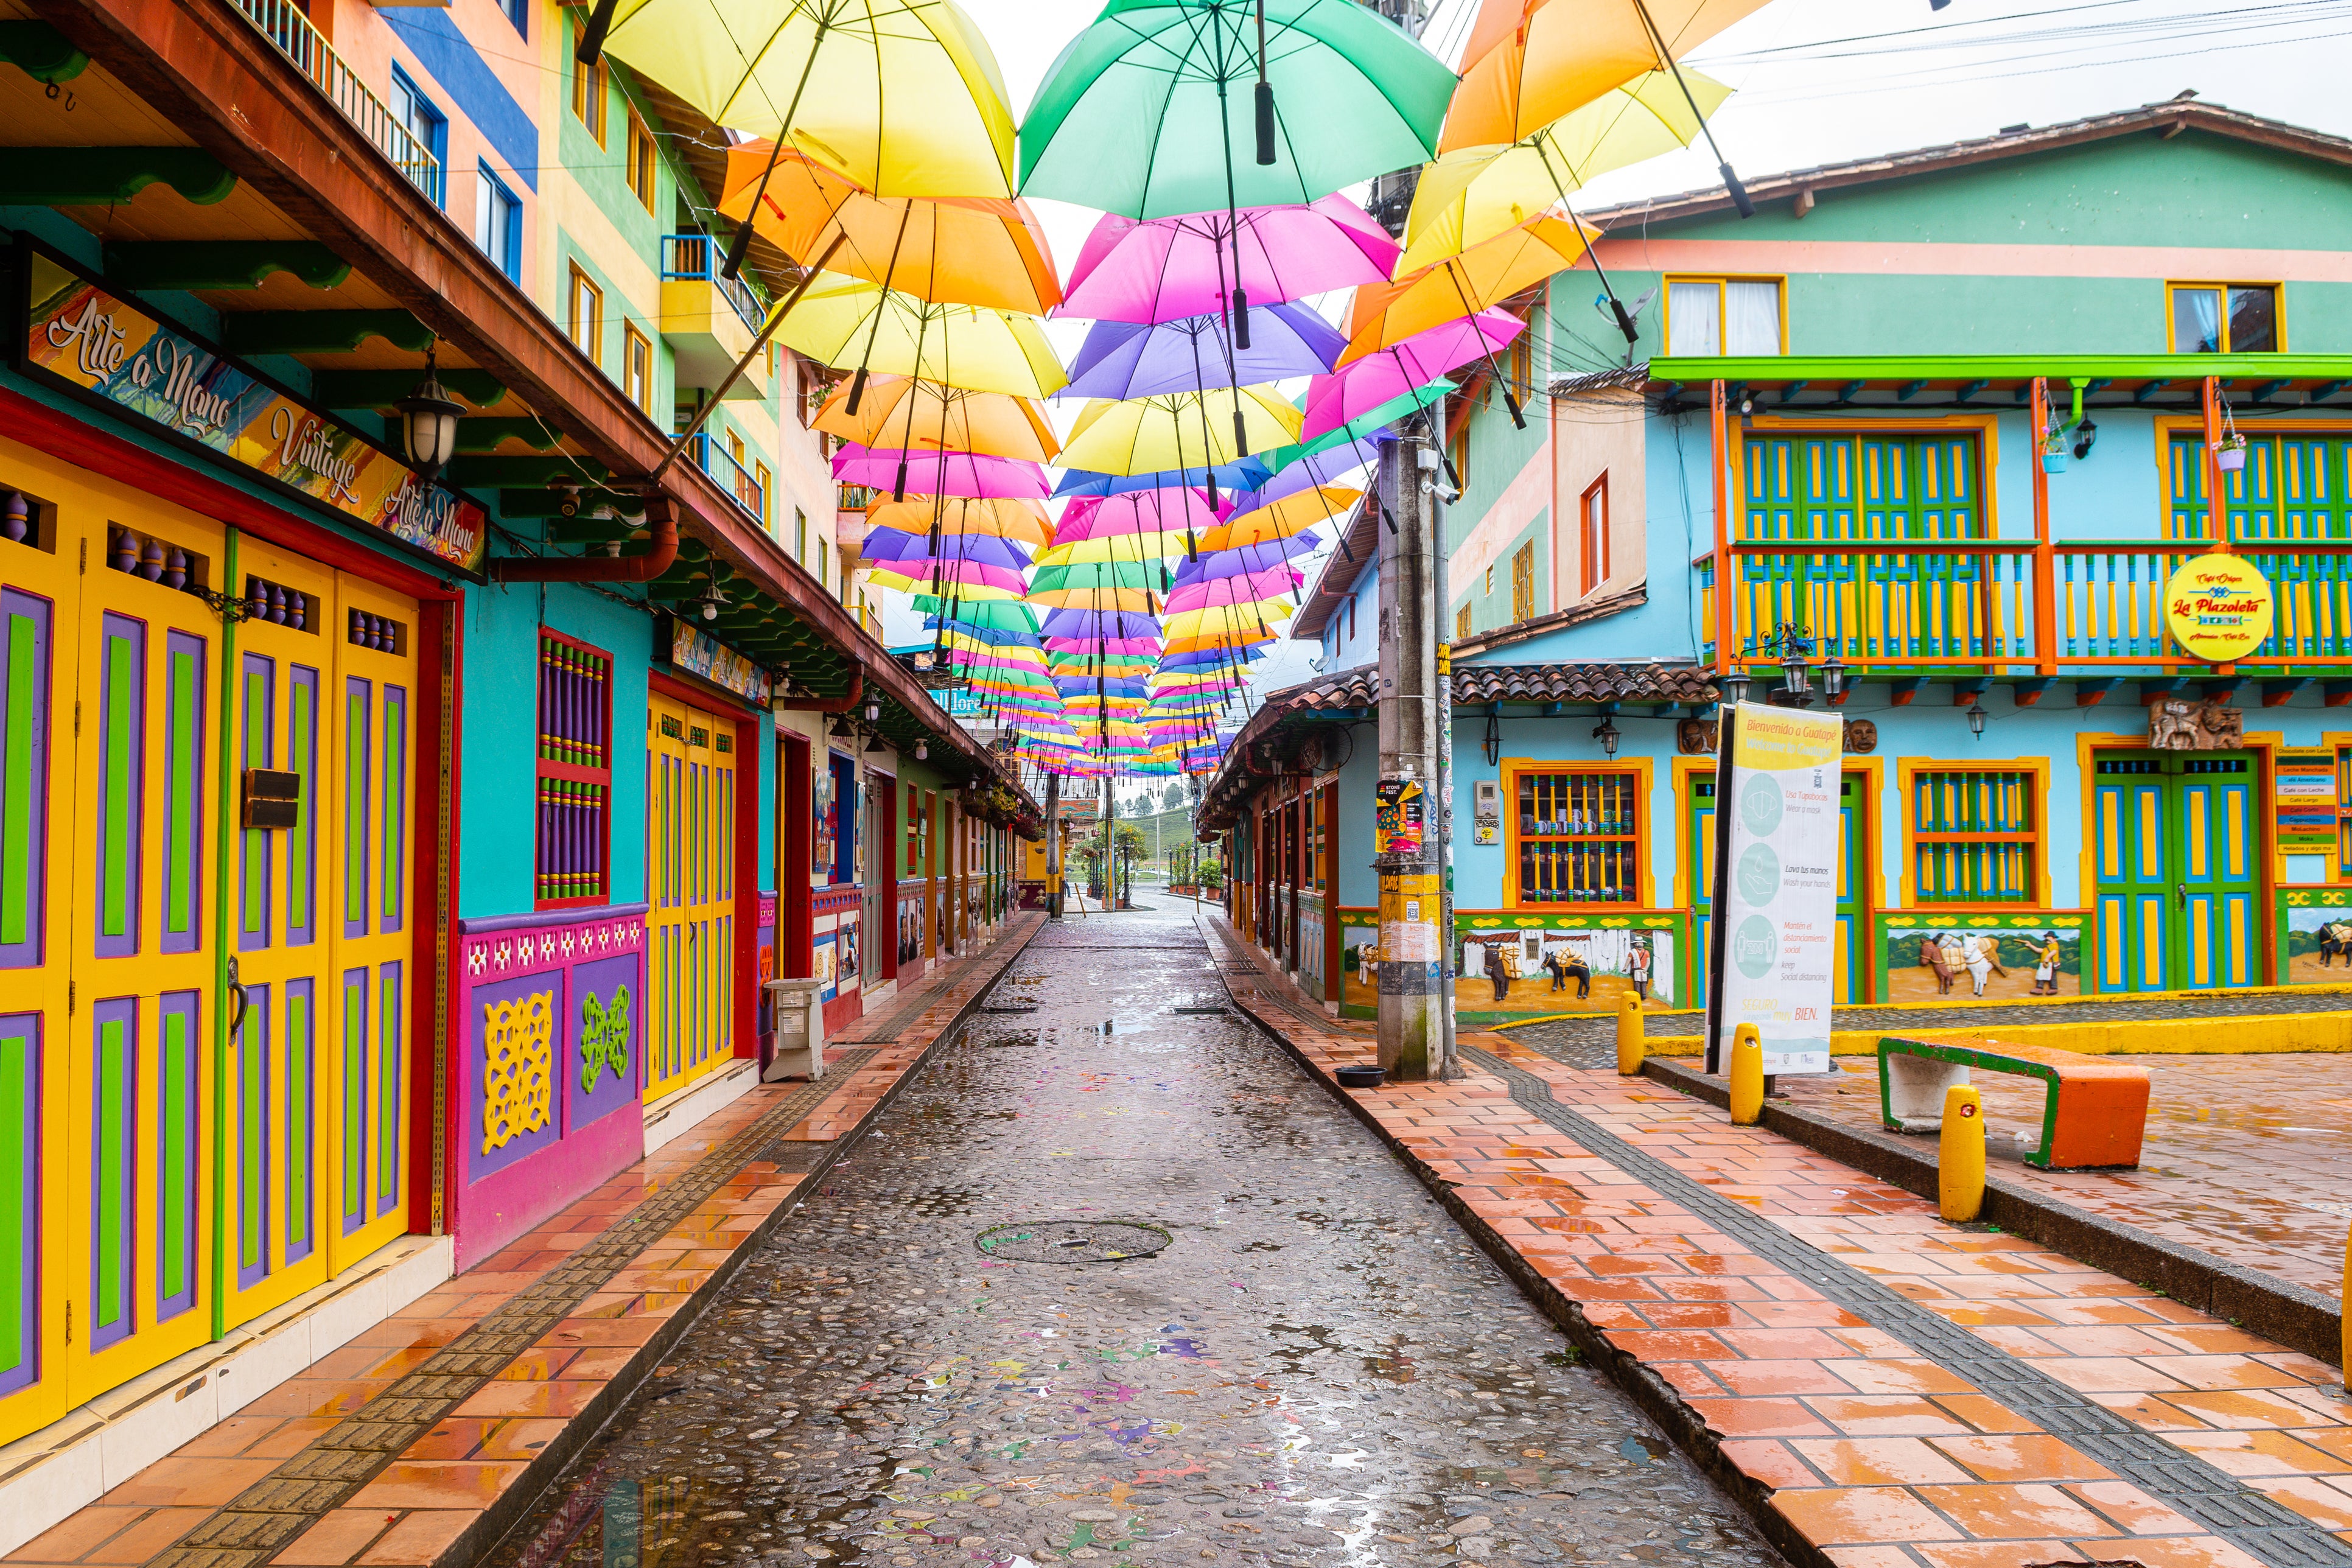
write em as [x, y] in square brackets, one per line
[1698, 809]
[2175, 845]
[1852, 967]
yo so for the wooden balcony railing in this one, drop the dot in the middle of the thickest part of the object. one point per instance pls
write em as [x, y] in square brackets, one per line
[283, 24]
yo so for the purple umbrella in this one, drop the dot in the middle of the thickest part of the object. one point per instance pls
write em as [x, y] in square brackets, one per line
[1310, 472]
[943, 473]
[1248, 559]
[915, 549]
[1379, 378]
[1171, 267]
[1123, 359]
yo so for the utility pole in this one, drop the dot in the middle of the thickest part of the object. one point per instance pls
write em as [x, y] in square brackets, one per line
[1408, 808]
[1442, 595]
[1053, 847]
[1110, 843]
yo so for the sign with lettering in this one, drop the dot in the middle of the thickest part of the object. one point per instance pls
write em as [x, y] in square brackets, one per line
[2217, 608]
[108, 350]
[1775, 927]
[707, 658]
[2303, 799]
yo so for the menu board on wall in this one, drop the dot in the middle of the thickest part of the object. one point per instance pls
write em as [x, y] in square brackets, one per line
[104, 348]
[2303, 799]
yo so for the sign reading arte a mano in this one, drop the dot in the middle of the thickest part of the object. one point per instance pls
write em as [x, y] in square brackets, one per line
[106, 349]
[2217, 608]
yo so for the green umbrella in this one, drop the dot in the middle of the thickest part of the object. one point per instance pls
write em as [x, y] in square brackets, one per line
[1137, 116]
[1361, 425]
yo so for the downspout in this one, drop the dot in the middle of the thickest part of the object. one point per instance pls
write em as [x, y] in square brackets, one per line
[660, 512]
[826, 704]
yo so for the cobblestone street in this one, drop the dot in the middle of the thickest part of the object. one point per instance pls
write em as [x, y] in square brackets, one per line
[1311, 1365]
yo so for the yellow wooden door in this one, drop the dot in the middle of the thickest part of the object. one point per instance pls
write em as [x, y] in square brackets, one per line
[690, 867]
[127, 1270]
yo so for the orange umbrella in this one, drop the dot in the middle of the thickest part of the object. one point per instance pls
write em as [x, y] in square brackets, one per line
[954, 250]
[941, 419]
[1528, 62]
[1385, 315]
[1292, 514]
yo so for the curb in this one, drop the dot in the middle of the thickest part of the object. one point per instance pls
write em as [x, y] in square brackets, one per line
[1655, 1397]
[2299, 1318]
[547, 1466]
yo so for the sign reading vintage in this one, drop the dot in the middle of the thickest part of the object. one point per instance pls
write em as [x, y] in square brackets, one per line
[2217, 608]
[106, 348]
[1775, 885]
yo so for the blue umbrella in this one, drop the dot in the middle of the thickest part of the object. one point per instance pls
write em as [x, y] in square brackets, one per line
[1245, 474]
[1122, 360]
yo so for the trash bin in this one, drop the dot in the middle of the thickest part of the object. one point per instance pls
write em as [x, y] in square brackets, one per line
[799, 1049]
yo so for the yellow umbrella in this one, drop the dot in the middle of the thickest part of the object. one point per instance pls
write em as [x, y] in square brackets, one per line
[1459, 286]
[972, 251]
[848, 321]
[1476, 193]
[903, 96]
[1115, 547]
[1020, 520]
[1528, 62]
[1292, 514]
[1149, 435]
[900, 413]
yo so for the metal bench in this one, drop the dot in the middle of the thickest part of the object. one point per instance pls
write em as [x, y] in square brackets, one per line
[2093, 1116]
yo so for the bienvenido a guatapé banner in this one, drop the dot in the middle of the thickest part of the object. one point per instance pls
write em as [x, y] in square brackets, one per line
[112, 351]
[1774, 937]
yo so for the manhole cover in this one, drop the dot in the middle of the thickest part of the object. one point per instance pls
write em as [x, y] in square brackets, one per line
[1072, 1241]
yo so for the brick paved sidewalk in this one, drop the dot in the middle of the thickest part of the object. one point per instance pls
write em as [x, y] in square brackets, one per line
[1881, 1389]
[421, 1440]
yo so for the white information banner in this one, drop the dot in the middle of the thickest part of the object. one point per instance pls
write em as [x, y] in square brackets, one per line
[1776, 883]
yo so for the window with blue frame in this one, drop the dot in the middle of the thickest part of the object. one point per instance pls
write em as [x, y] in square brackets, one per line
[430, 127]
[498, 224]
[519, 13]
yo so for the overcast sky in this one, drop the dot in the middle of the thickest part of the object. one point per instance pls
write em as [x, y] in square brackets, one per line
[1818, 81]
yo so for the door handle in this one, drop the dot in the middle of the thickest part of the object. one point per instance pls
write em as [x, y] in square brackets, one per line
[238, 1003]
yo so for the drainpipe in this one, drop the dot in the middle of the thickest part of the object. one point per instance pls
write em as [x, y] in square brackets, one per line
[826, 704]
[660, 512]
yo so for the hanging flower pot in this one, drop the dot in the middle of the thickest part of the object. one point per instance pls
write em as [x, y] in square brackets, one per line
[2230, 453]
[2054, 454]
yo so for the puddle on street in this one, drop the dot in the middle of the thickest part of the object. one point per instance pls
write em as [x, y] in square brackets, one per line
[1318, 1366]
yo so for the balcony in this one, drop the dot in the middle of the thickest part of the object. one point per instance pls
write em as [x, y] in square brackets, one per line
[1874, 534]
[710, 320]
[735, 478]
[284, 25]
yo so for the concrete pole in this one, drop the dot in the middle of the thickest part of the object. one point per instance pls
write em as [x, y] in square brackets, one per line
[1407, 805]
[1110, 843]
[1053, 847]
[1443, 595]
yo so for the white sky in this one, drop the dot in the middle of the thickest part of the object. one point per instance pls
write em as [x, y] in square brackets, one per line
[1820, 81]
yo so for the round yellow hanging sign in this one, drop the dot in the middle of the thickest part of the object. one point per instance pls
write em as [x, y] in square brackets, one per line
[2217, 608]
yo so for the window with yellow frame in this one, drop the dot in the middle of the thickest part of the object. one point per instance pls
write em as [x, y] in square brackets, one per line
[2223, 319]
[1577, 834]
[1975, 835]
[1707, 317]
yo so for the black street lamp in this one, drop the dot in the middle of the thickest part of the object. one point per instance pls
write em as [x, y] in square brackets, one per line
[428, 425]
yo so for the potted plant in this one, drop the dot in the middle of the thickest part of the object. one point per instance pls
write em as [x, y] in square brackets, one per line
[2230, 453]
[2053, 452]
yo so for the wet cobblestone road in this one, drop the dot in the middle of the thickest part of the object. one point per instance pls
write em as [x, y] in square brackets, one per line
[1316, 1367]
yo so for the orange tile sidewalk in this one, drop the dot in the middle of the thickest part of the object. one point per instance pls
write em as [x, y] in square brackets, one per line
[1851, 1445]
[435, 1497]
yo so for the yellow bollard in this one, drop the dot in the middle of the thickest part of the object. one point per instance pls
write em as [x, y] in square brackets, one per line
[1960, 1156]
[2347, 1287]
[1629, 1037]
[1746, 1075]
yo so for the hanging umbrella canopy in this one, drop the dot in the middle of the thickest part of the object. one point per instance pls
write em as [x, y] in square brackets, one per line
[1024, 521]
[968, 474]
[968, 249]
[902, 96]
[1167, 268]
[1177, 431]
[1149, 112]
[1121, 360]
[900, 415]
[846, 322]
[1379, 379]
[1383, 316]
[1476, 193]
[1528, 62]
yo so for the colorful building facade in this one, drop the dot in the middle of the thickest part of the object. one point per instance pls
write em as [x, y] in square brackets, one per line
[1951, 420]
[385, 857]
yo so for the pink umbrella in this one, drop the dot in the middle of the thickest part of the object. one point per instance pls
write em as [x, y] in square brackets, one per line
[1383, 377]
[1135, 511]
[1259, 588]
[943, 473]
[1147, 646]
[1171, 267]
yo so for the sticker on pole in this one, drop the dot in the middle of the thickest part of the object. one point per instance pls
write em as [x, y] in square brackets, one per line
[1396, 818]
[1776, 884]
